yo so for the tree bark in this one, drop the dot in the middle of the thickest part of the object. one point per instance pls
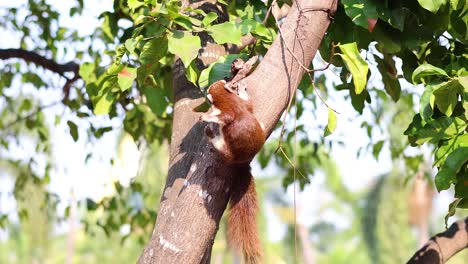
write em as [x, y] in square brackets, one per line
[198, 184]
[441, 247]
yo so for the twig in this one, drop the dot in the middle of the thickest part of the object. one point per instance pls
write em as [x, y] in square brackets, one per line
[318, 94]
[21, 118]
[157, 21]
[306, 69]
[67, 86]
[290, 162]
[331, 15]
[268, 12]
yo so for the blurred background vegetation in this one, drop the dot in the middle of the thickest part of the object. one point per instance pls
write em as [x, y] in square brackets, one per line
[80, 188]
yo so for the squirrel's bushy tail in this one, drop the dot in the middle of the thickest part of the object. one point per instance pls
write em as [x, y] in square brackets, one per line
[242, 222]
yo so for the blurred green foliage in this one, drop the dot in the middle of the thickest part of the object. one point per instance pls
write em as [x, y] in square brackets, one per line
[126, 68]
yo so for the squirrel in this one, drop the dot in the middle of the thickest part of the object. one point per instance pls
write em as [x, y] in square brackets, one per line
[240, 136]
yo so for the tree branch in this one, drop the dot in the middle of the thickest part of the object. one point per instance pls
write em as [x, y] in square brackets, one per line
[444, 245]
[199, 181]
[282, 68]
[46, 63]
[37, 59]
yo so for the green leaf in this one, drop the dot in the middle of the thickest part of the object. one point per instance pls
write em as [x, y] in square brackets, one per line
[155, 99]
[426, 103]
[100, 131]
[218, 70]
[23, 214]
[73, 130]
[413, 162]
[451, 211]
[131, 43]
[360, 11]
[91, 205]
[184, 22]
[34, 79]
[210, 17]
[134, 4]
[446, 96]
[256, 28]
[463, 80]
[5, 81]
[87, 72]
[447, 173]
[442, 128]
[109, 26]
[447, 146]
[425, 70]
[386, 42]
[25, 106]
[191, 73]
[104, 103]
[114, 69]
[355, 64]
[184, 45]
[432, 5]
[457, 4]
[58, 119]
[377, 148]
[126, 77]
[397, 17]
[388, 71]
[153, 51]
[118, 187]
[331, 126]
[461, 186]
[357, 100]
[463, 203]
[225, 33]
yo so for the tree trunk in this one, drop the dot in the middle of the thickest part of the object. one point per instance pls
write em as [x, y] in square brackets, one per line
[420, 206]
[307, 251]
[198, 184]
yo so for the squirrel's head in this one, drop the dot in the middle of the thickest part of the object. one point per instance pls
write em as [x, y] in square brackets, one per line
[217, 92]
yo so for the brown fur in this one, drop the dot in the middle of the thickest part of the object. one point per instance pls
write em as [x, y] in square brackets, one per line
[242, 225]
[242, 132]
[243, 137]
